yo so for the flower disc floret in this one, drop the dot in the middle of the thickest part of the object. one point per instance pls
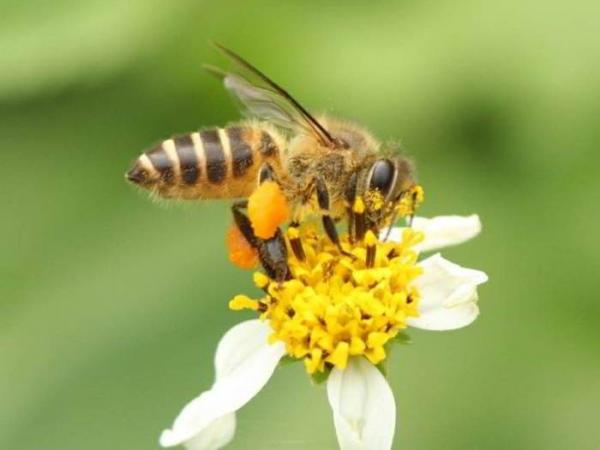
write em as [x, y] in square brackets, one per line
[337, 305]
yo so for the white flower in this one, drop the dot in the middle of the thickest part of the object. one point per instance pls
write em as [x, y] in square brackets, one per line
[364, 411]
[441, 231]
[244, 362]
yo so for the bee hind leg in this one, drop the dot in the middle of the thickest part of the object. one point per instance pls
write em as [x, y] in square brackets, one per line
[272, 252]
[273, 257]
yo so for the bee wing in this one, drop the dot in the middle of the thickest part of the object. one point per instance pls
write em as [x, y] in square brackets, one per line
[263, 104]
[265, 99]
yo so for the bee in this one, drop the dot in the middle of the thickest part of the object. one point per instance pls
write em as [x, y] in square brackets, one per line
[323, 166]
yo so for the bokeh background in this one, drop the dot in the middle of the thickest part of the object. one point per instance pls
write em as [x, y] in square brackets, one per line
[111, 305]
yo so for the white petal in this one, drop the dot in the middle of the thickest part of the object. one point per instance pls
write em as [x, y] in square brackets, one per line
[215, 436]
[441, 231]
[364, 411]
[244, 363]
[448, 295]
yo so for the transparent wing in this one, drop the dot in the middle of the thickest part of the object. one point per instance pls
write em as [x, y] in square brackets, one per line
[264, 104]
[263, 98]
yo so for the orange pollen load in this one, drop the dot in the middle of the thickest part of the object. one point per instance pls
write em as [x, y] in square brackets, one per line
[267, 209]
[241, 253]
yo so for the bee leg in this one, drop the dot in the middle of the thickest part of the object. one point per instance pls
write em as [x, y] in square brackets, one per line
[350, 215]
[350, 195]
[272, 252]
[356, 218]
[328, 223]
[243, 222]
[355, 211]
[391, 225]
[266, 173]
[296, 240]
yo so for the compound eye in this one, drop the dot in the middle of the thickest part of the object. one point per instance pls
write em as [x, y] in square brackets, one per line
[382, 176]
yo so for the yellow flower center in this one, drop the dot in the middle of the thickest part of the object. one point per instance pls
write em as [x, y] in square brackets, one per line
[335, 305]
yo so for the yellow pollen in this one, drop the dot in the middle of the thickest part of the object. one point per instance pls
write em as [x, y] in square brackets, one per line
[335, 305]
[418, 193]
[410, 201]
[293, 233]
[359, 206]
[370, 238]
[375, 199]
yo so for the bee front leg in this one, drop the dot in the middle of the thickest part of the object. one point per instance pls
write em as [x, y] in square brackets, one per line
[324, 206]
[272, 252]
[350, 196]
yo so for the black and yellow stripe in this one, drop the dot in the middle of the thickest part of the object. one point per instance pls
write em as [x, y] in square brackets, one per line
[162, 163]
[187, 158]
[241, 153]
[212, 163]
[216, 161]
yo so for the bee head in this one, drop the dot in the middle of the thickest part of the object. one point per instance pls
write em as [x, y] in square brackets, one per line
[387, 188]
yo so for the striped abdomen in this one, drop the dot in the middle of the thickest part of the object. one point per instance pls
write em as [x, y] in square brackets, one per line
[213, 163]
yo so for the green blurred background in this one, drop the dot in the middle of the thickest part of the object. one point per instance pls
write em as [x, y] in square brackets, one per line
[111, 305]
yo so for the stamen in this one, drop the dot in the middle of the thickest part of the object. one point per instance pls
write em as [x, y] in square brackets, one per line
[261, 281]
[240, 302]
[334, 307]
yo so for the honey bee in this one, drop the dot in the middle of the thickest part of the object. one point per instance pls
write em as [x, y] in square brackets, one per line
[323, 166]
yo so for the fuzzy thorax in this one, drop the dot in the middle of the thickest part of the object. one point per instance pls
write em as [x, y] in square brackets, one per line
[336, 306]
